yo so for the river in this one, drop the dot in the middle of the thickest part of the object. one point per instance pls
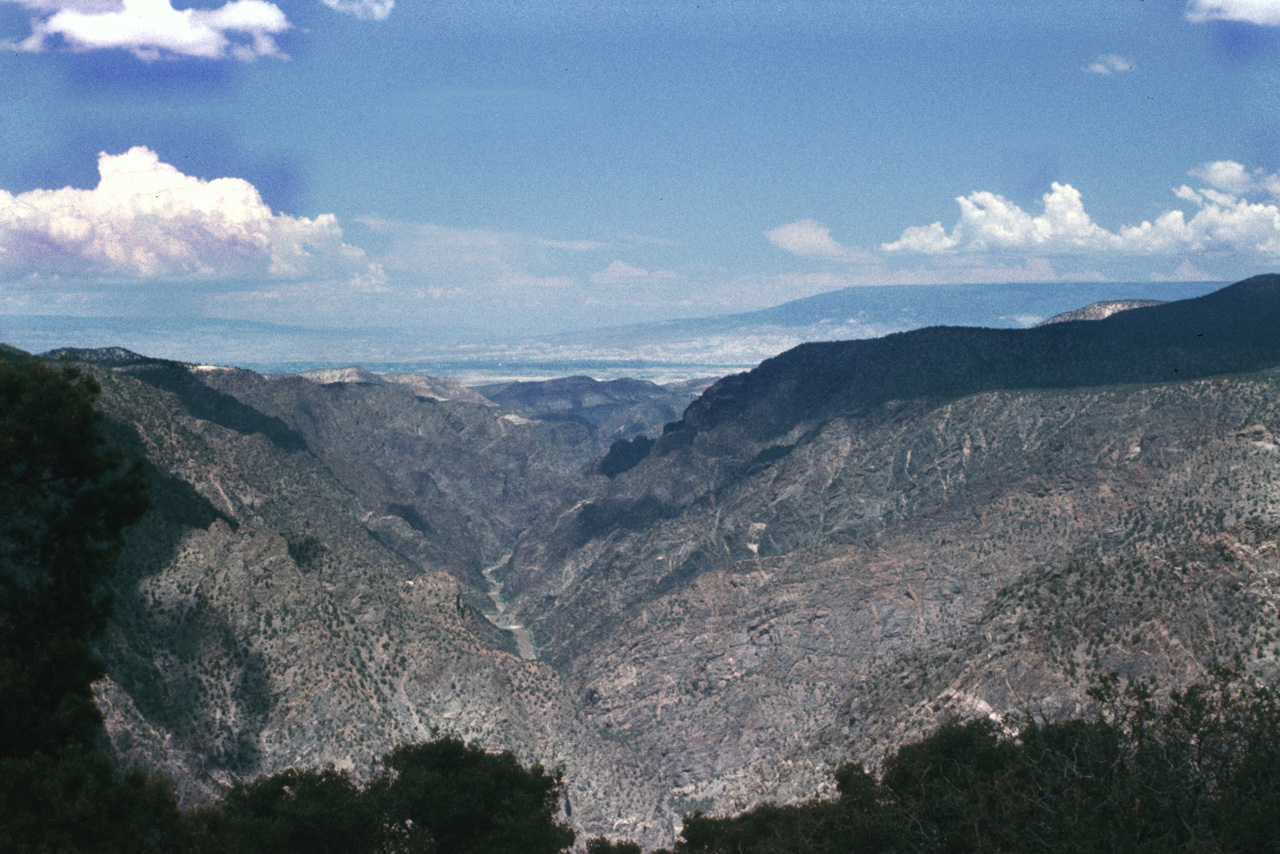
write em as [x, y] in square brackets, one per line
[503, 620]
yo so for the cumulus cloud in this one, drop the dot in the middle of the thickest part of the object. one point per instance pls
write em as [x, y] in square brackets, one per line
[989, 221]
[620, 272]
[574, 245]
[486, 261]
[1231, 177]
[1224, 221]
[810, 239]
[368, 10]
[1265, 13]
[1186, 272]
[1110, 63]
[153, 29]
[147, 220]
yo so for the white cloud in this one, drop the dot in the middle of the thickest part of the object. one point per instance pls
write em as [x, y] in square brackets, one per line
[153, 29]
[574, 245]
[989, 221]
[810, 239]
[1186, 272]
[368, 10]
[1110, 63]
[147, 220]
[1262, 12]
[495, 264]
[1224, 221]
[1231, 177]
[620, 272]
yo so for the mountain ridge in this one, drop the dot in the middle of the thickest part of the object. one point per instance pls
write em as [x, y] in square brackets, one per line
[825, 567]
[818, 561]
[1228, 331]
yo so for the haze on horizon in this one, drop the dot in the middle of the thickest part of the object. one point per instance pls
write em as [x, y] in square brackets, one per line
[549, 165]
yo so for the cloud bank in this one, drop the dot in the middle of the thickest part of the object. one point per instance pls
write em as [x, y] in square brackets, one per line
[1110, 63]
[367, 10]
[146, 220]
[810, 239]
[153, 29]
[1264, 13]
[1223, 221]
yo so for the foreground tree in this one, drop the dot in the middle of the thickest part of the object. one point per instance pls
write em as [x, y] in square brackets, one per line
[293, 812]
[444, 797]
[1198, 773]
[453, 798]
[66, 496]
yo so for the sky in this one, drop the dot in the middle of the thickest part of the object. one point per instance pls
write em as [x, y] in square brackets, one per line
[538, 166]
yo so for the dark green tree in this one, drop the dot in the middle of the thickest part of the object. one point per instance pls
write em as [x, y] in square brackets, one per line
[66, 496]
[1197, 772]
[447, 797]
[293, 812]
[76, 803]
[601, 845]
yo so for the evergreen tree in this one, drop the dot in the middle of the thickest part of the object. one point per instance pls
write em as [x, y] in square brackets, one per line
[66, 496]
[448, 797]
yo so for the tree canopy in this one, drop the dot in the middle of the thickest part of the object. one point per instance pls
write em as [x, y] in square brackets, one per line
[1198, 773]
[442, 797]
[66, 496]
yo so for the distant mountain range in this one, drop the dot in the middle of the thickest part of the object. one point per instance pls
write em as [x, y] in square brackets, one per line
[662, 351]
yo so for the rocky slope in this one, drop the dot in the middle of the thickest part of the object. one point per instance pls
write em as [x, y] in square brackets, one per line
[611, 410]
[1100, 310]
[265, 619]
[449, 484]
[437, 388]
[820, 558]
[843, 547]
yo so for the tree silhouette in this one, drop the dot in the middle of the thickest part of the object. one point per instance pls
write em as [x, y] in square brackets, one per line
[448, 797]
[66, 496]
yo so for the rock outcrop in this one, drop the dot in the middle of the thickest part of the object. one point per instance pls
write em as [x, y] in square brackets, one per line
[819, 559]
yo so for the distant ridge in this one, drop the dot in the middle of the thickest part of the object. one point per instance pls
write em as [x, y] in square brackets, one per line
[107, 357]
[1100, 310]
[435, 388]
[352, 374]
[659, 350]
[1231, 330]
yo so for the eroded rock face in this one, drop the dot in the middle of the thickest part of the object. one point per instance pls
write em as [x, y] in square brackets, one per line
[264, 621]
[838, 550]
[822, 558]
[768, 620]
[1100, 310]
[610, 409]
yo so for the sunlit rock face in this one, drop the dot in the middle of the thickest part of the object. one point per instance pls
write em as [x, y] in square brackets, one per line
[821, 558]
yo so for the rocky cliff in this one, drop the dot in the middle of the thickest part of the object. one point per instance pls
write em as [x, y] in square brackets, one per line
[853, 542]
[270, 615]
[820, 558]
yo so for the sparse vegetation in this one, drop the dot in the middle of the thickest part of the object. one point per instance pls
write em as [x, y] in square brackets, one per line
[1201, 774]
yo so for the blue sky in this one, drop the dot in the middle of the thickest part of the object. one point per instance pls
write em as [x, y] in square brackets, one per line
[532, 166]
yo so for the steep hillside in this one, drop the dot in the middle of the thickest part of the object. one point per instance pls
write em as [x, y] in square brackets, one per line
[423, 386]
[450, 484]
[265, 619]
[1100, 310]
[611, 410]
[819, 559]
[837, 550]
[1230, 330]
